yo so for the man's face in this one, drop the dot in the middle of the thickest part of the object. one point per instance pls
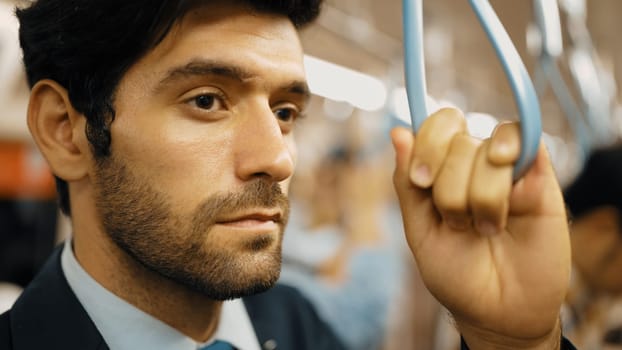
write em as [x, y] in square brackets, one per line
[202, 151]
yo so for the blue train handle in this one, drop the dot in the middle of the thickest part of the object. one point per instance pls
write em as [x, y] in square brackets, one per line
[522, 87]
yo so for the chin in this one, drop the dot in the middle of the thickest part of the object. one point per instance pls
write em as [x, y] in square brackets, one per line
[230, 274]
[262, 242]
[251, 280]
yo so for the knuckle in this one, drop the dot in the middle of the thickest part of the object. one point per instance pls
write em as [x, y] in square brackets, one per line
[507, 130]
[487, 199]
[451, 115]
[446, 121]
[464, 143]
[448, 202]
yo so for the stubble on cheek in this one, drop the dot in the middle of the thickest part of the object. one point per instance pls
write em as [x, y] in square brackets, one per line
[140, 220]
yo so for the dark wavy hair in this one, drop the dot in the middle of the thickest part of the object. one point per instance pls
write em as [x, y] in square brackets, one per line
[87, 46]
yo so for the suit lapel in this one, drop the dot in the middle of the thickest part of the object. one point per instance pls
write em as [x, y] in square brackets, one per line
[284, 319]
[49, 316]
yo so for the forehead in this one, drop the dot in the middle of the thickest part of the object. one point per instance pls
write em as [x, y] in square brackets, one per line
[265, 44]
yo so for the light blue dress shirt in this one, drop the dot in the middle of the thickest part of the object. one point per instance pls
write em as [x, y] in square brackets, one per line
[125, 327]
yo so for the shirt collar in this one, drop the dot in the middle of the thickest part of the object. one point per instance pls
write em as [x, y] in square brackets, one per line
[125, 327]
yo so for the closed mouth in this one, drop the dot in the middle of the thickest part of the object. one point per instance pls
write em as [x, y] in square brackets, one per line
[262, 216]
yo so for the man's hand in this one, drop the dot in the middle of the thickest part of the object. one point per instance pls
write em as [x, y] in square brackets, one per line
[494, 252]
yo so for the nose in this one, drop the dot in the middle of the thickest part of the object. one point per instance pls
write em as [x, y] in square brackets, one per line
[262, 149]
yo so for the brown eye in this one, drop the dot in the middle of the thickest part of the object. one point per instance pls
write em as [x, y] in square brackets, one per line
[205, 101]
[285, 114]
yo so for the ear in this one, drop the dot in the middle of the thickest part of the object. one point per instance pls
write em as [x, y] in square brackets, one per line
[59, 130]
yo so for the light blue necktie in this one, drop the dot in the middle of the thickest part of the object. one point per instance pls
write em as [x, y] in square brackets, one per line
[219, 345]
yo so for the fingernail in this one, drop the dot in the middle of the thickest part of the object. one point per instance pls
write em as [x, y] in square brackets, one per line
[421, 176]
[487, 228]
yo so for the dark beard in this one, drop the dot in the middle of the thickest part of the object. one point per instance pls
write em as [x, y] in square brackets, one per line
[140, 220]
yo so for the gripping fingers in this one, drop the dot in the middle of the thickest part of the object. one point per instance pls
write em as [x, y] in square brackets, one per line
[432, 144]
[489, 193]
[451, 187]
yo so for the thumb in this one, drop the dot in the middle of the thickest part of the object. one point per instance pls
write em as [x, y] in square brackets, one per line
[538, 192]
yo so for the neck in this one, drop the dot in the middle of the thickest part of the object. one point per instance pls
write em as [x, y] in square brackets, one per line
[190, 312]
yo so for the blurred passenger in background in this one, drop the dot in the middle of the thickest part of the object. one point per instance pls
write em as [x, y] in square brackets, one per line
[344, 243]
[594, 201]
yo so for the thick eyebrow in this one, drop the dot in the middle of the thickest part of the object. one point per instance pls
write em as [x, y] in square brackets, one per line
[202, 67]
[299, 88]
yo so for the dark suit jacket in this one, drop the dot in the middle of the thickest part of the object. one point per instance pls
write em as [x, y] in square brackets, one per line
[49, 316]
